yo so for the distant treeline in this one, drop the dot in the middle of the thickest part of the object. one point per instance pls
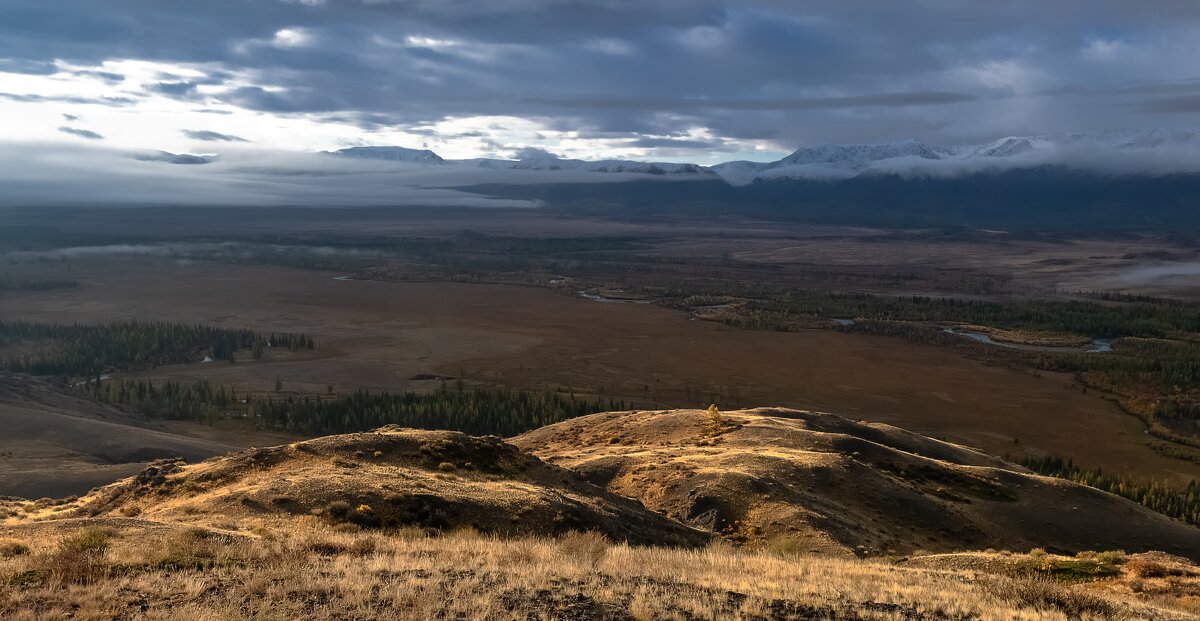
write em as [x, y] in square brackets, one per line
[1087, 318]
[88, 350]
[1183, 505]
[478, 411]
[1165, 365]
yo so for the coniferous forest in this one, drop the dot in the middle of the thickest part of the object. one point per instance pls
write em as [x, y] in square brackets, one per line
[477, 411]
[89, 350]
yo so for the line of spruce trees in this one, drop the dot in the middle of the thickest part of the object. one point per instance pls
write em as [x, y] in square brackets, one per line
[477, 411]
[89, 350]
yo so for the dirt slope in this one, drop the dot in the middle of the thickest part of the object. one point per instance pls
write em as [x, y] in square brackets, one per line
[823, 483]
[388, 478]
[56, 444]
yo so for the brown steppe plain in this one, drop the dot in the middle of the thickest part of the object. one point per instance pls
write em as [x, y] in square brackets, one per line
[379, 335]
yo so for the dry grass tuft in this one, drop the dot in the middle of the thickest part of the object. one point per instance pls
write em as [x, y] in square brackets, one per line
[586, 548]
[9, 549]
[1049, 595]
[79, 558]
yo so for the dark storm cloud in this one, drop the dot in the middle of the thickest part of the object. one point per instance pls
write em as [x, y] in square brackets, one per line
[881, 100]
[785, 71]
[1187, 104]
[211, 136]
[82, 133]
[677, 143]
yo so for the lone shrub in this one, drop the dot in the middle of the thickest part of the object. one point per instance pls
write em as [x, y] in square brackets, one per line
[1142, 567]
[714, 420]
[786, 546]
[586, 548]
[1048, 594]
[9, 549]
[338, 509]
[79, 558]
[364, 515]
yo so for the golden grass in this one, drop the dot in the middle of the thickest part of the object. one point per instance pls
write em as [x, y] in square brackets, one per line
[303, 569]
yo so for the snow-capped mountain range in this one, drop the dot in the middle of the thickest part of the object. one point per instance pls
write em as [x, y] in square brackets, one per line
[1152, 151]
[547, 162]
[1156, 150]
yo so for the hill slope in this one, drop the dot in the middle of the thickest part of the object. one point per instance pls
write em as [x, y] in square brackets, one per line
[392, 477]
[836, 486]
[56, 444]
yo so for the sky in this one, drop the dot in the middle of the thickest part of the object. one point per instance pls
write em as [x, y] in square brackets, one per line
[667, 80]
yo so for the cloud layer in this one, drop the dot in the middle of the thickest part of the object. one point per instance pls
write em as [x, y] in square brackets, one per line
[699, 80]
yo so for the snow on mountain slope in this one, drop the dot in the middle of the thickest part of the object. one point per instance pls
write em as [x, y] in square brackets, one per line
[545, 163]
[391, 154]
[1150, 151]
[611, 166]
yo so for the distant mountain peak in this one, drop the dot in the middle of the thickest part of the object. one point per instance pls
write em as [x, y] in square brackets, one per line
[859, 153]
[391, 154]
[535, 160]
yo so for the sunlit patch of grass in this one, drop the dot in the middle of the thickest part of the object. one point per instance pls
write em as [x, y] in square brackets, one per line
[308, 568]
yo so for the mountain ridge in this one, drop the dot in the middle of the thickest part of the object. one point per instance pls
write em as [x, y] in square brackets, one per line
[833, 161]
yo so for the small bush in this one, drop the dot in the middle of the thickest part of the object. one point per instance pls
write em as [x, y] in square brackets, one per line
[9, 549]
[1046, 594]
[362, 546]
[587, 548]
[364, 515]
[447, 467]
[89, 540]
[193, 548]
[79, 558]
[1140, 567]
[326, 548]
[785, 546]
[338, 509]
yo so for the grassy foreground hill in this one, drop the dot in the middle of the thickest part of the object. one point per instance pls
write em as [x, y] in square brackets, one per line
[834, 486]
[406, 524]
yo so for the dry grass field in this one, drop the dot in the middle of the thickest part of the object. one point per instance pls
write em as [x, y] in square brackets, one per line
[123, 569]
[379, 335]
[402, 524]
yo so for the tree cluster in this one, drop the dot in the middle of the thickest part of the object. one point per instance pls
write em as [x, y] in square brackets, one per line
[478, 411]
[89, 350]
